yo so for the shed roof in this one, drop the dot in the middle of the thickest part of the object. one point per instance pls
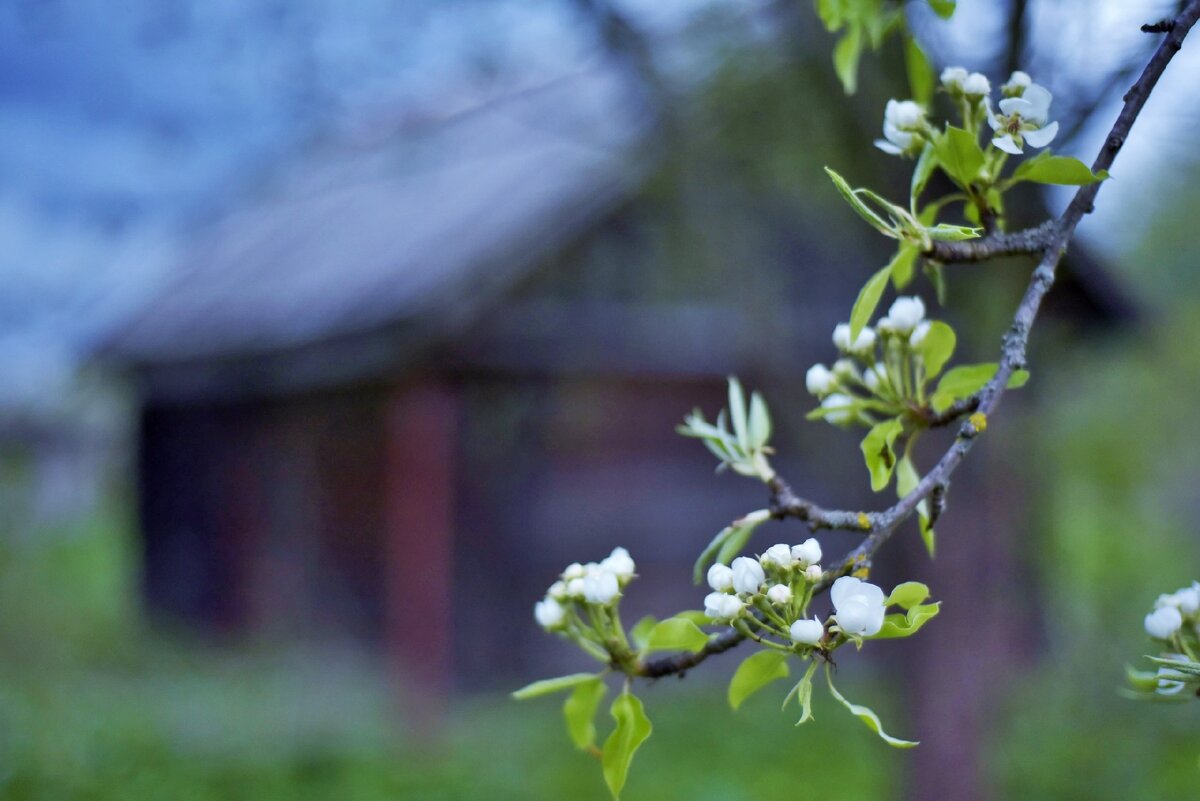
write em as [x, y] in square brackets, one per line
[417, 230]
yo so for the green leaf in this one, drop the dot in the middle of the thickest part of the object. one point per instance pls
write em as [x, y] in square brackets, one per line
[1186, 667]
[735, 542]
[907, 477]
[868, 300]
[907, 595]
[675, 634]
[760, 422]
[1061, 170]
[896, 626]
[547, 686]
[937, 347]
[737, 413]
[1143, 680]
[846, 55]
[641, 631]
[866, 716]
[831, 13]
[856, 203]
[959, 153]
[803, 694]
[633, 727]
[878, 452]
[944, 8]
[696, 616]
[920, 73]
[936, 275]
[901, 267]
[579, 710]
[756, 671]
[926, 163]
[928, 536]
[965, 380]
[944, 232]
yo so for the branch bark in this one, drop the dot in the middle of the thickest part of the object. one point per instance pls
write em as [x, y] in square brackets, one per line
[1058, 233]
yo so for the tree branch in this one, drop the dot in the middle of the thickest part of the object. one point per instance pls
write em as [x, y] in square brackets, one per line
[881, 525]
[1031, 241]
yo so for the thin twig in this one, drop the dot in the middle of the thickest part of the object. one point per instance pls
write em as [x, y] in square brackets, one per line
[881, 525]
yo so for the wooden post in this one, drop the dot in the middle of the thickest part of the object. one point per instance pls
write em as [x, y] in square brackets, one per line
[420, 424]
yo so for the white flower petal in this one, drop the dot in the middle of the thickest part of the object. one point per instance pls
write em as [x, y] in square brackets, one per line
[888, 147]
[1038, 98]
[1041, 137]
[1007, 144]
[1016, 105]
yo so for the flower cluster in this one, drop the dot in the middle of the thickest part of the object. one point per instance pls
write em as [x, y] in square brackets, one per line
[1175, 624]
[1023, 117]
[581, 604]
[770, 595]
[880, 373]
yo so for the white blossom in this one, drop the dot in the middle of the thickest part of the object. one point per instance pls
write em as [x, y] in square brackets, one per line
[813, 573]
[720, 577]
[807, 632]
[1023, 118]
[919, 333]
[904, 315]
[1163, 622]
[720, 606]
[748, 574]
[903, 128]
[777, 555]
[807, 552]
[859, 606]
[953, 78]
[601, 587]
[558, 590]
[620, 564]
[549, 613]
[574, 570]
[846, 369]
[864, 343]
[976, 86]
[1017, 83]
[780, 595]
[841, 402]
[819, 380]
[575, 588]
[1186, 600]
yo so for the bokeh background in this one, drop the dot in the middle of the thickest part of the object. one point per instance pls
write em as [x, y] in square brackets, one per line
[331, 331]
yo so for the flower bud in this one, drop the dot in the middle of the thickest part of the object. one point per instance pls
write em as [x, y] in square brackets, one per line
[748, 575]
[813, 573]
[620, 564]
[819, 380]
[549, 613]
[575, 588]
[777, 556]
[863, 344]
[807, 552]
[601, 587]
[574, 570]
[842, 403]
[1017, 83]
[874, 376]
[953, 78]
[807, 632]
[558, 590]
[845, 369]
[1162, 623]
[858, 605]
[780, 595]
[720, 577]
[919, 333]
[720, 606]
[976, 86]
[905, 313]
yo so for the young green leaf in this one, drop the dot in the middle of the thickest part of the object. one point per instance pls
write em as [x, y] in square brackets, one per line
[846, 55]
[832, 13]
[920, 73]
[1062, 170]
[547, 686]
[633, 727]
[866, 716]
[943, 8]
[640, 632]
[927, 533]
[944, 232]
[868, 300]
[907, 595]
[756, 671]
[937, 347]
[675, 634]
[856, 203]
[736, 541]
[737, 413]
[925, 166]
[967, 379]
[579, 711]
[696, 616]
[907, 477]
[878, 452]
[901, 267]
[896, 625]
[760, 422]
[803, 694]
[959, 154]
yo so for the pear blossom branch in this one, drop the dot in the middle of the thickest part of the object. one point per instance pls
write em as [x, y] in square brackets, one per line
[1029, 242]
[880, 526]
